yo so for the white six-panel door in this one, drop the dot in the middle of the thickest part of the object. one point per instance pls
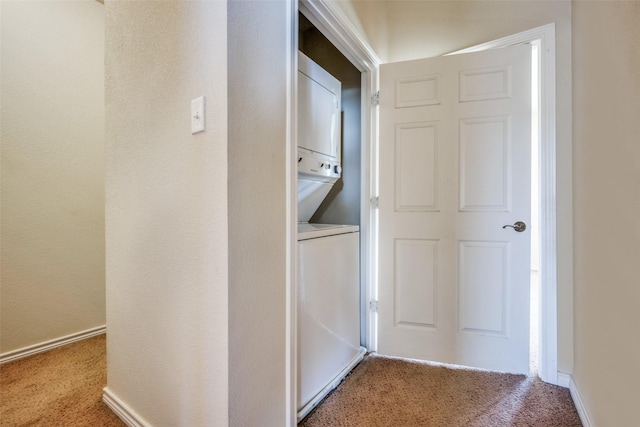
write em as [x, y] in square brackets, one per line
[454, 169]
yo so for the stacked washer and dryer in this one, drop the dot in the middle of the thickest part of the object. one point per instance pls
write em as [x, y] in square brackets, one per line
[328, 285]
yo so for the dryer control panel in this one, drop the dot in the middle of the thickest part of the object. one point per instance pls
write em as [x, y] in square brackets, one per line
[319, 166]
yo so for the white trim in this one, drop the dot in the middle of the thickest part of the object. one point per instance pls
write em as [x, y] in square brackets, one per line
[291, 172]
[542, 32]
[370, 191]
[564, 380]
[575, 396]
[122, 410]
[20, 353]
[548, 212]
[332, 385]
[336, 27]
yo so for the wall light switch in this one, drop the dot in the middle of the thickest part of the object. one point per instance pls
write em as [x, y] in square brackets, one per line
[197, 115]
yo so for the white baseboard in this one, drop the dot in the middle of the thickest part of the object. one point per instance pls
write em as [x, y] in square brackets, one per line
[10, 356]
[566, 381]
[122, 410]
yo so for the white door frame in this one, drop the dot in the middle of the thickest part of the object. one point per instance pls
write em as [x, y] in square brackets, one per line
[291, 368]
[339, 30]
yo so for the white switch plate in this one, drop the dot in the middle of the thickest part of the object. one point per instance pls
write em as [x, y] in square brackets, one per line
[197, 115]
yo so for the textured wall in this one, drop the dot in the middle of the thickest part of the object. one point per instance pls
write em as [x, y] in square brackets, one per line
[166, 211]
[52, 230]
[257, 69]
[606, 77]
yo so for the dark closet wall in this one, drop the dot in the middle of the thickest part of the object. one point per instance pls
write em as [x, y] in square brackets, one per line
[342, 205]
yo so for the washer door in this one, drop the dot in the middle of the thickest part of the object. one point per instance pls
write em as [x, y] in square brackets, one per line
[328, 310]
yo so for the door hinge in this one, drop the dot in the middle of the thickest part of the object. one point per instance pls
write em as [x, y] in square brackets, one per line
[375, 202]
[373, 305]
[375, 99]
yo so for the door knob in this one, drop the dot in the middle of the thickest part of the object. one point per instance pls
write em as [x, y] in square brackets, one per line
[518, 226]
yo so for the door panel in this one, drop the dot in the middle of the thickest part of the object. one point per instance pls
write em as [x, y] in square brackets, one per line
[485, 181]
[454, 168]
[416, 167]
[482, 287]
[415, 283]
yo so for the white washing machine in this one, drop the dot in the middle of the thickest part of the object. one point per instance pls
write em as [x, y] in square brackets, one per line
[328, 309]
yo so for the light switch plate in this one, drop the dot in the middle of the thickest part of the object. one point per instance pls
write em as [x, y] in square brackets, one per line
[197, 115]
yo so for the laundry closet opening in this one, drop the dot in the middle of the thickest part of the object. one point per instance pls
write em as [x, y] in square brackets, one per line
[330, 326]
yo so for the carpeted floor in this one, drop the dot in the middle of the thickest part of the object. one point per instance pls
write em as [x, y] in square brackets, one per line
[61, 387]
[392, 392]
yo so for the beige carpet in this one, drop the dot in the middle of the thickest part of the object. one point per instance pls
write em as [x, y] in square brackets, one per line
[389, 392]
[62, 387]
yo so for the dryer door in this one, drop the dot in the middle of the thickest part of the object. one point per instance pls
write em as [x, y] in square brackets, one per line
[318, 109]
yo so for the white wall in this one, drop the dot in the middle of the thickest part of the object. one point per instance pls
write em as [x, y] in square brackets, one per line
[184, 214]
[166, 211]
[257, 70]
[417, 29]
[606, 78]
[52, 230]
